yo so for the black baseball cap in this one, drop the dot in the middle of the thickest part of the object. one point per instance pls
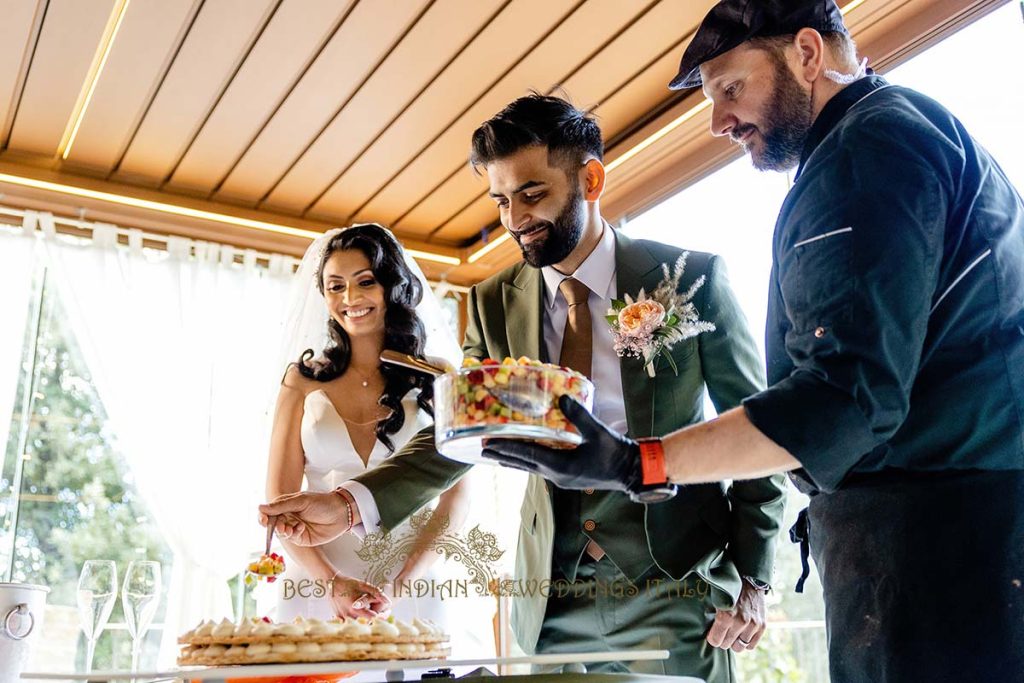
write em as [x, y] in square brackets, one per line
[733, 22]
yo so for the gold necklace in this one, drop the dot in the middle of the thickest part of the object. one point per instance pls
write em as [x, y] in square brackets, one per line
[361, 424]
[366, 380]
[366, 383]
[380, 416]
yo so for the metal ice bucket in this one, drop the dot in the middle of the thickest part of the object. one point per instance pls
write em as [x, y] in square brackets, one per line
[21, 620]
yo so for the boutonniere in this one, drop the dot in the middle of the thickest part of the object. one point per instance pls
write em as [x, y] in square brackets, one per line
[653, 324]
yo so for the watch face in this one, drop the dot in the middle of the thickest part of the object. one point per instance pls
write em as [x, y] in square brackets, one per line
[656, 493]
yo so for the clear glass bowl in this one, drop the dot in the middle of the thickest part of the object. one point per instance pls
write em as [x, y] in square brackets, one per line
[507, 401]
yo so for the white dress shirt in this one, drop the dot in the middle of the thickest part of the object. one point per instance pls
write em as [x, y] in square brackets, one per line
[598, 273]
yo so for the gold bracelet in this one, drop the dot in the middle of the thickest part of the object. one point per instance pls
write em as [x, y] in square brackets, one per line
[348, 507]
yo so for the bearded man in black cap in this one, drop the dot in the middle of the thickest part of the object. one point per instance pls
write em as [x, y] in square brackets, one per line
[895, 347]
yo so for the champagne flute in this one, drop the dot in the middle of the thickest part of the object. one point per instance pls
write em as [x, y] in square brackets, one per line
[97, 593]
[140, 596]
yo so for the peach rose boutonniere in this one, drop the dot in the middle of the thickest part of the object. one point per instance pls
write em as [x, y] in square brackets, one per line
[650, 325]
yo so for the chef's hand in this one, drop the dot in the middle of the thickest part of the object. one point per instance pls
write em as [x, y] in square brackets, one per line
[605, 460]
[307, 517]
[740, 628]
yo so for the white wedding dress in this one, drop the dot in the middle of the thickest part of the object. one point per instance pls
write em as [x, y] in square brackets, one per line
[331, 460]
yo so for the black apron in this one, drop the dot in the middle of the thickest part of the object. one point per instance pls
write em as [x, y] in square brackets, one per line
[923, 577]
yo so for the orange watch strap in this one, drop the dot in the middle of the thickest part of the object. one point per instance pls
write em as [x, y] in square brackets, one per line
[652, 461]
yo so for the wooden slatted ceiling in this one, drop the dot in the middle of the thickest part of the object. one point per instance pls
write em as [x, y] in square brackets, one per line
[18, 33]
[499, 45]
[63, 53]
[331, 110]
[415, 57]
[214, 47]
[291, 41]
[371, 37]
[326, 112]
[329, 82]
[558, 53]
[615, 113]
[140, 54]
[598, 77]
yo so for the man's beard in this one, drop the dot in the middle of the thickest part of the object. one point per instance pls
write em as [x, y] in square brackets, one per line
[786, 122]
[563, 234]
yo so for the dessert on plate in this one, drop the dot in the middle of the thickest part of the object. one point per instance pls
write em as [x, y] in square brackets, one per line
[260, 641]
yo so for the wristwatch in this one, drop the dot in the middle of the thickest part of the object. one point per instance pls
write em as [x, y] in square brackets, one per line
[654, 485]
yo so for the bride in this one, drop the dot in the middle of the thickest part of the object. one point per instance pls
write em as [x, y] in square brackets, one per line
[341, 411]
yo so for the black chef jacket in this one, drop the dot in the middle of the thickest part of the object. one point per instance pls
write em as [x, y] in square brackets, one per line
[895, 331]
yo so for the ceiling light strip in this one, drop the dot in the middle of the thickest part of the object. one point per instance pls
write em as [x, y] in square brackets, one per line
[489, 247]
[157, 206]
[851, 6]
[153, 237]
[149, 238]
[658, 135]
[176, 210]
[430, 256]
[93, 77]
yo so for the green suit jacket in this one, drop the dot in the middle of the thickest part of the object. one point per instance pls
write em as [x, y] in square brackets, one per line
[716, 533]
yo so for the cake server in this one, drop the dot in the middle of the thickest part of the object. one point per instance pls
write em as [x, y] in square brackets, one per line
[411, 362]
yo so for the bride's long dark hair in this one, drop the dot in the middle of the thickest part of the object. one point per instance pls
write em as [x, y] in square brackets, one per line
[403, 330]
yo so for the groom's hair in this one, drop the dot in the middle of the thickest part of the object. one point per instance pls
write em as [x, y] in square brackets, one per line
[571, 136]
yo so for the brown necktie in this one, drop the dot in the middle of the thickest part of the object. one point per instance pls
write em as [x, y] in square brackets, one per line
[578, 347]
[577, 340]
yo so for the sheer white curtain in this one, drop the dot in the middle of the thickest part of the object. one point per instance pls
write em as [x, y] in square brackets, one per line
[180, 348]
[18, 249]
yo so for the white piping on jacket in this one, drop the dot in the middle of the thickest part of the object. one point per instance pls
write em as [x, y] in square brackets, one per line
[821, 237]
[961, 276]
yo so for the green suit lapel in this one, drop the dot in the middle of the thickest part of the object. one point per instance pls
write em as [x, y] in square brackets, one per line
[522, 298]
[635, 268]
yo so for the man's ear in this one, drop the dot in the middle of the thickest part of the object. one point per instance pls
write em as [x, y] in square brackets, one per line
[810, 52]
[593, 180]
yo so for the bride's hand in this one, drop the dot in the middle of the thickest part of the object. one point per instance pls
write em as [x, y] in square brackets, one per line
[307, 518]
[354, 598]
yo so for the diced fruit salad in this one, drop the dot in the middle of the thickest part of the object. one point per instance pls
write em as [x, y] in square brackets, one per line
[480, 383]
[267, 568]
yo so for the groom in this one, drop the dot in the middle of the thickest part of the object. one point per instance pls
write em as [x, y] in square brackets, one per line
[701, 561]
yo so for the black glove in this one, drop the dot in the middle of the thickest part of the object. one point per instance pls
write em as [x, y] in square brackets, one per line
[605, 460]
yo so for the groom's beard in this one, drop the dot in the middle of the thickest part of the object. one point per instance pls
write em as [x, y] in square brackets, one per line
[563, 234]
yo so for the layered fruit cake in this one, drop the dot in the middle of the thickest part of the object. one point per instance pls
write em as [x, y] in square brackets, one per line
[259, 641]
[513, 392]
